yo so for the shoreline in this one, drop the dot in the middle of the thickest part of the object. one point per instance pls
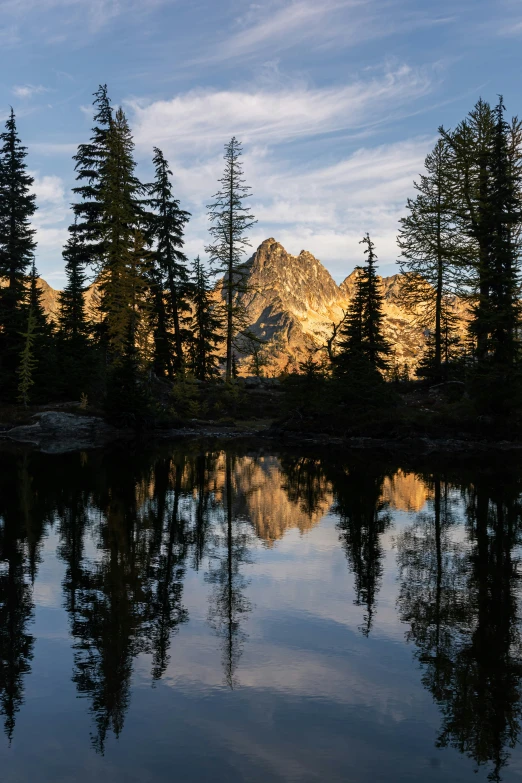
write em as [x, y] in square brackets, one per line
[55, 432]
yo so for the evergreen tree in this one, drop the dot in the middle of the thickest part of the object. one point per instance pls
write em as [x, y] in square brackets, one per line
[506, 208]
[361, 337]
[17, 245]
[429, 243]
[72, 319]
[120, 212]
[90, 161]
[451, 349]
[27, 361]
[167, 223]
[486, 159]
[162, 363]
[230, 220]
[205, 325]
[75, 346]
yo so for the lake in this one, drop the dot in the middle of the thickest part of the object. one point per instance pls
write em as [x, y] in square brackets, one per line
[235, 613]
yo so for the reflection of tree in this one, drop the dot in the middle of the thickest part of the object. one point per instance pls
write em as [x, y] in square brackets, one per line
[21, 528]
[432, 593]
[305, 483]
[16, 611]
[129, 599]
[462, 608]
[168, 572]
[106, 629]
[203, 466]
[228, 603]
[363, 518]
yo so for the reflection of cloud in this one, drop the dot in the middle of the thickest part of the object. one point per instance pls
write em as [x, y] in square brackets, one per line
[49, 595]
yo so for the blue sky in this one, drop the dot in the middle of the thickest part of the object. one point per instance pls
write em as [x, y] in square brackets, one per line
[337, 102]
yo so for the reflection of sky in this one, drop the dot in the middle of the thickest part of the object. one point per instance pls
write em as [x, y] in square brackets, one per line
[316, 700]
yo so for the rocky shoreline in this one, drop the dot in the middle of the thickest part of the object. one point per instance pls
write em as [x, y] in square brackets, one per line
[56, 432]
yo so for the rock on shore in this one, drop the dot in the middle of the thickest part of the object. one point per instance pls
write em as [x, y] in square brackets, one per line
[55, 432]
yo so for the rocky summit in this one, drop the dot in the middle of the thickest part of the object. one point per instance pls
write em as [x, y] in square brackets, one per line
[292, 303]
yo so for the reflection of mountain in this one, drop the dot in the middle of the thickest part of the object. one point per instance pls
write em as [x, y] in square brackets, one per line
[405, 491]
[261, 495]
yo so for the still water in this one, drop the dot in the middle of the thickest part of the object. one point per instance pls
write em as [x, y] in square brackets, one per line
[227, 614]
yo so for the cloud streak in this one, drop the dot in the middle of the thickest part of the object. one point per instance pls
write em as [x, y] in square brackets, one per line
[286, 24]
[208, 118]
[26, 91]
[56, 20]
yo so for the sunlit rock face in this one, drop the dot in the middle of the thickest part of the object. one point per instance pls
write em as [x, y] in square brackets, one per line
[292, 303]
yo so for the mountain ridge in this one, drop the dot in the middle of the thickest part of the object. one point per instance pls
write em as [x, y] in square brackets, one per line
[292, 303]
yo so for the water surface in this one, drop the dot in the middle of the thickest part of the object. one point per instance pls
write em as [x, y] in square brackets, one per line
[200, 614]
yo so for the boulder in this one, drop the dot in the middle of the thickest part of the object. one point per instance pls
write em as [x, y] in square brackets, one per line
[57, 432]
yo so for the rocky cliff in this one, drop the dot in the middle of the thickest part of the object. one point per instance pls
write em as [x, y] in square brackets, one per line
[294, 302]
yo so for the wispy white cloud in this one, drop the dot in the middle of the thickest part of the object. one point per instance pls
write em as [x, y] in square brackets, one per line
[510, 28]
[283, 24]
[59, 19]
[49, 189]
[52, 214]
[327, 209]
[322, 206]
[28, 90]
[207, 118]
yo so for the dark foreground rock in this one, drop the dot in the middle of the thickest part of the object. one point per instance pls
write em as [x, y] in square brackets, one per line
[54, 432]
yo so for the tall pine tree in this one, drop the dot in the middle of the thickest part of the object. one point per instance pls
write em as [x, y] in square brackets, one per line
[17, 246]
[90, 160]
[230, 220]
[76, 349]
[429, 243]
[205, 326]
[361, 339]
[486, 159]
[167, 223]
[120, 192]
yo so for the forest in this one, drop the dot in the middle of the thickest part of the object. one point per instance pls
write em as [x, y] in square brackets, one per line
[164, 337]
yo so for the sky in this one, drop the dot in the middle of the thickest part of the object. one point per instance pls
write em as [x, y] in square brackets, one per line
[337, 103]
